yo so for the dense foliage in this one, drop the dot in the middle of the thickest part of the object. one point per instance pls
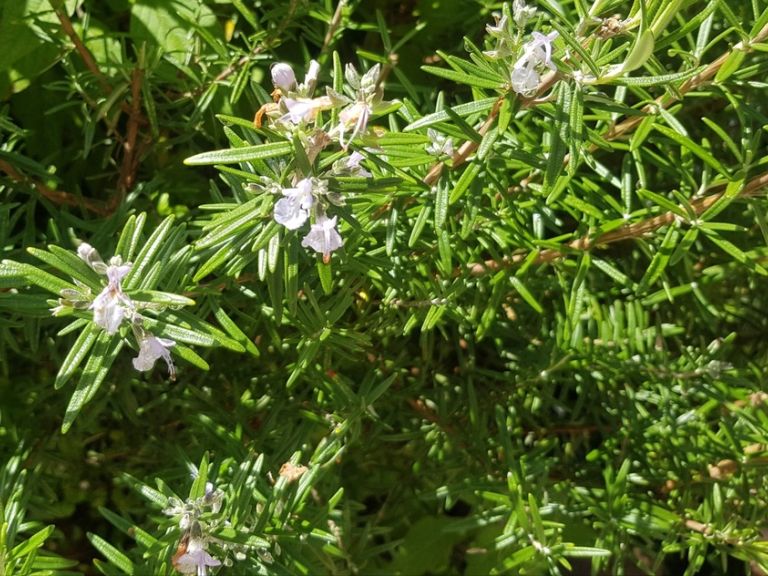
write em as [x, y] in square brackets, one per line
[383, 287]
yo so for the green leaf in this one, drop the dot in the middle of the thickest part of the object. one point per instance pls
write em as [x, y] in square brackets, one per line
[464, 181]
[695, 148]
[642, 49]
[575, 134]
[732, 192]
[161, 298]
[731, 249]
[463, 78]
[244, 154]
[462, 110]
[526, 294]
[418, 227]
[129, 528]
[198, 486]
[77, 353]
[68, 263]
[234, 330]
[112, 554]
[18, 272]
[130, 237]
[146, 257]
[325, 275]
[103, 354]
[559, 135]
[441, 191]
[732, 64]
[657, 80]
[660, 259]
[32, 543]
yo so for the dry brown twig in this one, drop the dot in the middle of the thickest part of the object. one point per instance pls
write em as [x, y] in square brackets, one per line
[82, 50]
[55, 196]
[130, 157]
[130, 160]
[636, 230]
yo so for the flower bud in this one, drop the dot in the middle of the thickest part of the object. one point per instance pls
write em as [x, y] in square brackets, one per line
[283, 77]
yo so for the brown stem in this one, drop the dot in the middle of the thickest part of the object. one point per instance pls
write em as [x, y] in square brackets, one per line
[55, 196]
[697, 206]
[85, 54]
[333, 25]
[130, 158]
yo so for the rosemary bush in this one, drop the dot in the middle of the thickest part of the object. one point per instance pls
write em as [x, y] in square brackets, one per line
[347, 287]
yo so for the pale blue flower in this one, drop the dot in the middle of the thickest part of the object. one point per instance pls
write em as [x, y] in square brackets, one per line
[283, 77]
[152, 348]
[323, 236]
[293, 209]
[196, 560]
[111, 306]
[525, 78]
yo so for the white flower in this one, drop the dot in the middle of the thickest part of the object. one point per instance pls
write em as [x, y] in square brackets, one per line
[522, 13]
[293, 209]
[109, 309]
[152, 348]
[367, 101]
[537, 51]
[303, 109]
[283, 77]
[500, 28]
[525, 80]
[351, 165]
[310, 78]
[323, 236]
[357, 117]
[90, 256]
[196, 560]
[111, 305]
[439, 143]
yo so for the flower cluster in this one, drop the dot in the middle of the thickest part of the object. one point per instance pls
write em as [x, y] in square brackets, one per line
[530, 57]
[192, 556]
[525, 77]
[112, 306]
[298, 113]
[310, 197]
